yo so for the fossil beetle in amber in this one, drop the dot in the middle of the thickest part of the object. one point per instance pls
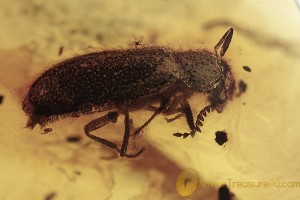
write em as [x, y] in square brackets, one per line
[122, 81]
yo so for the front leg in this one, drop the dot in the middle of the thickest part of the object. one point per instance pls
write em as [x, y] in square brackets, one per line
[186, 109]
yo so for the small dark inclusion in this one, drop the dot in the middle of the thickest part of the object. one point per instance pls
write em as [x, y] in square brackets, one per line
[242, 87]
[50, 196]
[73, 138]
[47, 130]
[224, 193]
[221, 137]
[246, 68]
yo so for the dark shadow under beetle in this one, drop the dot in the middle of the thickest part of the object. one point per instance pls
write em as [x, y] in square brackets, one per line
[122, 81]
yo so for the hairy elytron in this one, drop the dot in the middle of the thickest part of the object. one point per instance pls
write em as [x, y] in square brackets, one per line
[122, 81]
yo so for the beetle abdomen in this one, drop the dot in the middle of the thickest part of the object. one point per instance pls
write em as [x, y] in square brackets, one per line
[95, 79]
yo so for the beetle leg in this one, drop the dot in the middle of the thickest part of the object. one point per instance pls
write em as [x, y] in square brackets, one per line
[169, 106]
[190, 120]
[151, 108]
[156, 112]
[224, 41]
[160, 109]
[168, 112]
[173, 108]
[180, 114]
[102, 121]
[126, 138]
[98, 123]
[186, 109]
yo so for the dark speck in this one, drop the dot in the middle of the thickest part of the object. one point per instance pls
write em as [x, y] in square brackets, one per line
[47, 130]
[73, 31]
[242, 87]
[1, 99]
[77, 172]
[221, 137]
[246, 68]
[73, 139]
[60, 51]
[224, 193]
[99, 37]
[50, 196]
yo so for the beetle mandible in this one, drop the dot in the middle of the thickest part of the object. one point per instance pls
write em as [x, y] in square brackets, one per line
[122, 81]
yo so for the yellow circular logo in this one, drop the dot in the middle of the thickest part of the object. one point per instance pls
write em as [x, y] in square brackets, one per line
[187, 182]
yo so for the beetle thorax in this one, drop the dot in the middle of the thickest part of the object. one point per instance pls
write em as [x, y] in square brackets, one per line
[200, 70]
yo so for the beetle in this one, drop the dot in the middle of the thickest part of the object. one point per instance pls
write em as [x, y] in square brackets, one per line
[123, 81]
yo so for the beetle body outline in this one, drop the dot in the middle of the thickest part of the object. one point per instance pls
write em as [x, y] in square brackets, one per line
[122, 81]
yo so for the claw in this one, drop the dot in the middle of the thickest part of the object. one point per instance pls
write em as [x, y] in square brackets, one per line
[177, 134]
[132, 155]
[185, 135]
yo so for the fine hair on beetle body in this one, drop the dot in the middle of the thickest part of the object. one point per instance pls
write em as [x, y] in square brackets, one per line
[123, 81]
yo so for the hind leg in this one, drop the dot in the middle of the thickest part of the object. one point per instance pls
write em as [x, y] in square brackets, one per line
[104, 120]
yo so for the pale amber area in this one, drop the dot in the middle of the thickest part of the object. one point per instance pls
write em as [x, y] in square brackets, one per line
[262, 124]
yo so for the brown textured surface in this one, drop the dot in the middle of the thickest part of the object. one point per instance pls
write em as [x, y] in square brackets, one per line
[262, 135]
[100, 81]
[131, 78]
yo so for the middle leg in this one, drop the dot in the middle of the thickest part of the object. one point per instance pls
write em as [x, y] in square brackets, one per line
[167, 106]
[157, 111]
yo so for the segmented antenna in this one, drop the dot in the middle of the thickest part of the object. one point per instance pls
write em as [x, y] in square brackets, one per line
[199, 120]
[201, 115]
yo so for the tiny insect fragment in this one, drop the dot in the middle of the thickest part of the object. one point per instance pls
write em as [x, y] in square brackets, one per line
[60, 51]
[137, 41]
[47, 130]
[123, 81]
[221, 137]
[246, 68]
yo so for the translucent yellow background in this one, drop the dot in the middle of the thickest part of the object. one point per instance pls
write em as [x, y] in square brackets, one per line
[263, 134]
